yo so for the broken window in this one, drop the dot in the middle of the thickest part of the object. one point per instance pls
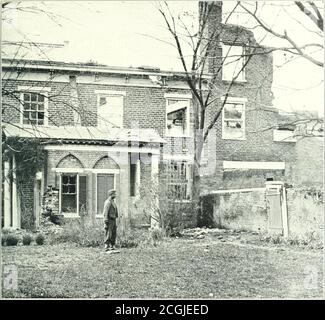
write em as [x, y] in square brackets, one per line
[178, 180]
[73, 193]
[233, 63]
[110, 111]
[177, 123]
[33, 108]
[69, 193]
[233, 121]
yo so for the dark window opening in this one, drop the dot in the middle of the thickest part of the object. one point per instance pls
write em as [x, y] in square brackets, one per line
[33, 109]
[83, 194]
[69, 194]
[133, 172]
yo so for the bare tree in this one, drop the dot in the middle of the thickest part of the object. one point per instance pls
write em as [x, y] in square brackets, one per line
[311, 11]
[203, 69]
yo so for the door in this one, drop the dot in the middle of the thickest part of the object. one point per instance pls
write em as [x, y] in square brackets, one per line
[275, 209]
[105, 182]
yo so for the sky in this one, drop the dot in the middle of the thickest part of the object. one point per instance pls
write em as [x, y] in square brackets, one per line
[132, 33]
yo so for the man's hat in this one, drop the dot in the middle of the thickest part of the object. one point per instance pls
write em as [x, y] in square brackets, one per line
[111, 192]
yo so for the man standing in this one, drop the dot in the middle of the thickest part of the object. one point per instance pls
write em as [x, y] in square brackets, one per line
[110, 213]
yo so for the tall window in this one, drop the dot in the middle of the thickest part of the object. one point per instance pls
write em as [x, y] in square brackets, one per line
[233, 120]
[110, 110]
[178, 180]
[177, 117]
[233, 62]
[73, 193]
[34, 108]
[69, 193]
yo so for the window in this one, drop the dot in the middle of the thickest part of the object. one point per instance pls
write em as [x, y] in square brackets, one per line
[34, 108]
[233, 120]
[178, 180]
[73, 190]
[177, 117]
[110, 110]
[69, 193]
[233, 62]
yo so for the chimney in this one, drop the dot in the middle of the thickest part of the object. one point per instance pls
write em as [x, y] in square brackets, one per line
[210, 15]
[74, 101]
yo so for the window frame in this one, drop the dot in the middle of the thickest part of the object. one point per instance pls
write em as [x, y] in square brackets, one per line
[243, 58]
[233, 100]
[109, 93]
[187, 181]
[44, 91]
[69, 214]
[179, 97]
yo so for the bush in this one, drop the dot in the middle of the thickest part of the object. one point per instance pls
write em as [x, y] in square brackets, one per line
[40, 239]
[27, 239]
[11, 240]
[86, 234]
[3, 239]
[128, 243]
[157, 235]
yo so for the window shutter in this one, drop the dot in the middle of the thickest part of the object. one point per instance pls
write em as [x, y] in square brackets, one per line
[83, 194]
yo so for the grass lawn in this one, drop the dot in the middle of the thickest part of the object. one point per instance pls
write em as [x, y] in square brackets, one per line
[176, 268]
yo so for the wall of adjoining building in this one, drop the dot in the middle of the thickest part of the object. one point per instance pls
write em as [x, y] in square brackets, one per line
[248, 210]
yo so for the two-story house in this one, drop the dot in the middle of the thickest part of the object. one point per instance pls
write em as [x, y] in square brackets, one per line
[105, 127]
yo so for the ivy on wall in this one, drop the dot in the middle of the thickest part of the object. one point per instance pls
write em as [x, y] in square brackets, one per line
[29, 155]
[30, 158]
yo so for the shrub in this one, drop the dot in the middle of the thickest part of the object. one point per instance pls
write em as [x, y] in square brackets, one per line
[87, 234]
[157, 235]
[128, 240]
[128, 243]
[11, 240]
[3, 239]
[27, 239]
[40, 239]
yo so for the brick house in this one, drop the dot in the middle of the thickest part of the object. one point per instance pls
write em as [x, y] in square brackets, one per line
[106, 127]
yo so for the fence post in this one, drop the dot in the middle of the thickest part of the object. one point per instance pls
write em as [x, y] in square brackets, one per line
[284, 210]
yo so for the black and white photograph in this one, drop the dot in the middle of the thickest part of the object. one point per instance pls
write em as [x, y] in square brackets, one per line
[162, 150]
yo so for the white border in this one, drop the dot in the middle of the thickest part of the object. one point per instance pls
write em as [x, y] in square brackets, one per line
[111, 92]
[31, 88]
[84, 170]
[177, 96]
[178, 157]
[101, 148]
[254, 165]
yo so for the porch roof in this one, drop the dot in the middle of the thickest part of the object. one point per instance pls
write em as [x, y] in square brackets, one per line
[83, 135]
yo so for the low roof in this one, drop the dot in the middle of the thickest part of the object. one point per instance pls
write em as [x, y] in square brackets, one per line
[86, 135]
[92, 68]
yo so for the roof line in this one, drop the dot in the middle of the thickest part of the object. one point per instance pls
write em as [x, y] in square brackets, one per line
[64, 66]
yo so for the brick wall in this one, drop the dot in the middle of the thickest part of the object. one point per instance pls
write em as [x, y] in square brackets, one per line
[309, 167]
[260, 117]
